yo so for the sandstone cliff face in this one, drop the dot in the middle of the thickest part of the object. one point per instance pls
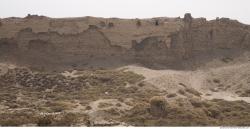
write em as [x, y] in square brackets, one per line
[94, 43]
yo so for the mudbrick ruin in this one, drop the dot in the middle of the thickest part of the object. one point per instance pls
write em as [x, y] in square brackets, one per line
[124, 72]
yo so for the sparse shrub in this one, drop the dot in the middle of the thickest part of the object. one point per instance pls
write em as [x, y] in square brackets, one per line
[216, 80]
[120, 99]
[171, 95]
[213, 89]
[140, 109]
[227, 59]
[193, 91]
[138, 23]
[16, 118]
[45, 121]
[93, 27]
[213, 112]
[118, 105]
[156, 22]
[196, 102]
[104, 105]
[57, 108]
[111, 25]
[130, 77]
[220, 85]
[102, 24]
[245, 94]
[141, 84]
[207, 94]
[182, 84]
[207, 104]
[182, 92]
[112, 111]
[88, 108]
[67, 119]
[158, 106]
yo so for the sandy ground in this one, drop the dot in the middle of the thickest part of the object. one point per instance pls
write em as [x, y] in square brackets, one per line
[236, 75]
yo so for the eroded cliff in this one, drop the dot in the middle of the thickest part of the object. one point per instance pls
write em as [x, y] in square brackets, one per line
[180, 43]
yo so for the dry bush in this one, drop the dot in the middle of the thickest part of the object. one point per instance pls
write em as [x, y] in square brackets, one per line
[45, 120]
[182, 92]
[16, 119]
[111, 24]
[158, 106]
[207, 112]
[90, 27]
[193, 91]
[102, 24]
[137, 115]
[226, 59]
[138, 23]
[157, 23]
[130, 77]
[213, 111]
[196, 102]
[216, 80]
[213, 90]
[59, 106]
[141, 84]
[67, 119]
[171, 95]
[88, 108]
[245, 93]
[104, 105]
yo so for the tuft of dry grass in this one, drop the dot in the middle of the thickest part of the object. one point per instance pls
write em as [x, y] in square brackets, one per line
[193, 91]
[245, 93]
[45, 121]
[182, 92]
[158, 106]
[216, 80]
[171, 95]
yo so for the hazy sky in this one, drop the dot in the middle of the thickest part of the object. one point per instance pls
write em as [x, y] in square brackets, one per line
[235, 9]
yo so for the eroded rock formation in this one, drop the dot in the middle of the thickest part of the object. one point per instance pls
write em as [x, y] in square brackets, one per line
[172, 43]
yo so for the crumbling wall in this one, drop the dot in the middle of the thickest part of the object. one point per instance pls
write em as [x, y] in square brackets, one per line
[197, 38]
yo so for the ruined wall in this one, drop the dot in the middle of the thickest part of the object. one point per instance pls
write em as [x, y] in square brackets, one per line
[170, 43]
[52, 48]
[217, 37]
